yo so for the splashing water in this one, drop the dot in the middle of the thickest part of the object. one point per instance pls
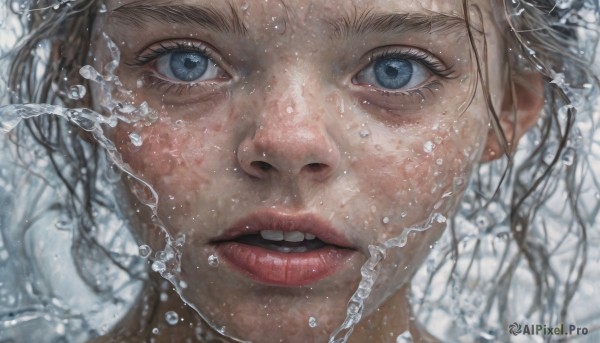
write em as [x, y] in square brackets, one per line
[369, 273]
[118, 103]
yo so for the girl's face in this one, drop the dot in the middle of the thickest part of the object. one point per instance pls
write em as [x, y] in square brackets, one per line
[291, 136]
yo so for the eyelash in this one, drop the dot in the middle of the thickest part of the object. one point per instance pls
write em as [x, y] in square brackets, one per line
[419, 56]
[432, 64]
[155, 53]
[163, 49]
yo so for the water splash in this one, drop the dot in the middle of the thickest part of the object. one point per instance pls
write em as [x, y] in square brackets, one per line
[369, 273]
[119, 104]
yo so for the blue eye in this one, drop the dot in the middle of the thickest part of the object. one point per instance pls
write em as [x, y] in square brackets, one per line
[393, 73]
[188, 66]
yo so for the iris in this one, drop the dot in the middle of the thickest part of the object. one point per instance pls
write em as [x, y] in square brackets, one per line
[393, 73]
[188, 66]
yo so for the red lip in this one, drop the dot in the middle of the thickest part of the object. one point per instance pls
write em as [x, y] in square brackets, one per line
[280, 268]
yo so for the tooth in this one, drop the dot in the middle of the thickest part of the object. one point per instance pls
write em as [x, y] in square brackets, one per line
[272, 235]
[309, 236]
[293, 236]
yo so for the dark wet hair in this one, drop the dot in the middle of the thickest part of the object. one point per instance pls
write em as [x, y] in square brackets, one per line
[544, 36]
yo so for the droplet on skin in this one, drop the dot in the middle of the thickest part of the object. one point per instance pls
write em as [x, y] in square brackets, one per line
[405, 337]
[428, 146]
[213, 261]
[155, 331]
[385, 220]
[312, 322]
[172, 318]
[289, 110]
[136, 139]
[440, 218]
[278, 24]
[364, 133]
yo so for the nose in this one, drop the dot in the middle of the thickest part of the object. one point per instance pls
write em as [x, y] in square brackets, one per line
[289, 139]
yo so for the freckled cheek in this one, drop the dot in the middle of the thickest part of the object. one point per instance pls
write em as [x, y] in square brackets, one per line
[176, 162]
[409, 183]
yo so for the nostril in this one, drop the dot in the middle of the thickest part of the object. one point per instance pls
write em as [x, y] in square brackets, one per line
[264, 166]
[315, 167]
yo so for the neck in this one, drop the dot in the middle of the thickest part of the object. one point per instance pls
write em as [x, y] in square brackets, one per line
[391, 319]
[148, 320]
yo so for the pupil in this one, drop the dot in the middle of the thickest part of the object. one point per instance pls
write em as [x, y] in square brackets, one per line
[391, 71]
[189, 63]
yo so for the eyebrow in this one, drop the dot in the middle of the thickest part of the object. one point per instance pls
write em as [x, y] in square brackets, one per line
[370, 22]
[140, 12]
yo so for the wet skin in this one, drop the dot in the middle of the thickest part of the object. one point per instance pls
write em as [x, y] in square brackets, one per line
[290, 121]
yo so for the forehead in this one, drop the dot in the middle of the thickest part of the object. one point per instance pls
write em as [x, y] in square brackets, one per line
[337, 18]
[299, 11]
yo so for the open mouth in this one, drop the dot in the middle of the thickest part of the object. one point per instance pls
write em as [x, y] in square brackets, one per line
[284, 242]
[284, 250]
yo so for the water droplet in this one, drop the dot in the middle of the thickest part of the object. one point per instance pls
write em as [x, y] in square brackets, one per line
[144, 109]
[213, 261]
[289, 110]
[364, 133]
[159, 266]
[385, 220]
[136, 139]
[428, 146]
[3, 255]
[172, 318]
[244, 6]
[144, 250]
[126, 108]
[76, 92]
[278, 24]
[88, 72]
[568, 157]
[103, 9]
[179, 123]
[312, 322]
[405, 337]
[439, 161]
[155, 331]
[113, 174]
[440, 218]
[483, 221]
[63, 223]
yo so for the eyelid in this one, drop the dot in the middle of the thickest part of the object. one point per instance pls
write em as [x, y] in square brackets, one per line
[153, 52]
[427, 59]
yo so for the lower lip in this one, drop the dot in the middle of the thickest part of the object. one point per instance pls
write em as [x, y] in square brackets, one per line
[283, 269]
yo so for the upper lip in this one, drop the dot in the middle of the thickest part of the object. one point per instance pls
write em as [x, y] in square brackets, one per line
[272, 220]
